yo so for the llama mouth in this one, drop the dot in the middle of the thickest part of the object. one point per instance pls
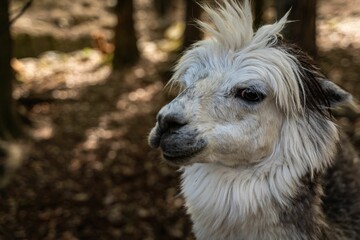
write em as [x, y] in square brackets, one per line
[180, 148]
[180, 159]
[177, 159]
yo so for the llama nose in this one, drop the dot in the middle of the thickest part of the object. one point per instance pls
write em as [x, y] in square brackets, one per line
[170, 122]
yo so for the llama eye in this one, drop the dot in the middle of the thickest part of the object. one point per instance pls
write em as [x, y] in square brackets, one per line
[250, 95]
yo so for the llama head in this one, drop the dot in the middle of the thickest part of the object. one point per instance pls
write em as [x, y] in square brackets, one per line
[247, 96]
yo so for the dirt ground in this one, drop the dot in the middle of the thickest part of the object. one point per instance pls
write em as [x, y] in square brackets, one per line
[90, 173]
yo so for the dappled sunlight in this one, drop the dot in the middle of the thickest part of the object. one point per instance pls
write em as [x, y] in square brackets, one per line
[62, 25]
[113, 129]
[43, 132]
[145, 94]
[91, 172]
[339, 33]
[152, 54]
[65, 94]
[139, 72]
[154, 45]
[43, 128]
[338, 24]
[61, 74]
[138, 101]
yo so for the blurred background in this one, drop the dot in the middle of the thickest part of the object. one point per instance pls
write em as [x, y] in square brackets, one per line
[80, 85]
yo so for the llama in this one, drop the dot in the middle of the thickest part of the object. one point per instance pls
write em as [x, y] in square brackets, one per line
[253, 134]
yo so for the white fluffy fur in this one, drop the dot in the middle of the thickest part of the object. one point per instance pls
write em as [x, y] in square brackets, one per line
[256, 155]
[238, 203]
[235, 44]
[229, 199]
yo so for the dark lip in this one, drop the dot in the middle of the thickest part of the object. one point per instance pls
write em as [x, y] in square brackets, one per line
[179, 158]
[183, 155]
[178, 147]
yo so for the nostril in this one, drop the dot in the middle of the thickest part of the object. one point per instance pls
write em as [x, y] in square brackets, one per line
[172, 126]
[171, 122]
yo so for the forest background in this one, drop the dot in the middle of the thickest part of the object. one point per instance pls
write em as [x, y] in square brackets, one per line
[80, 85]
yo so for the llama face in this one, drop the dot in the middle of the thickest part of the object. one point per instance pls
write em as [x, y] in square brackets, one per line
[246, 96]
[226, 114]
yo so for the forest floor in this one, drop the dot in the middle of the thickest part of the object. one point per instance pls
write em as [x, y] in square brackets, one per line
[90, 173]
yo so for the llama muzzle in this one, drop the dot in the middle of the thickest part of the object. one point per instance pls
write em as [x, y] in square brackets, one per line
[178, 141]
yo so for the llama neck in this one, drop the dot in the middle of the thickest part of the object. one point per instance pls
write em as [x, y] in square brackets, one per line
[226, 203]
[270, 200]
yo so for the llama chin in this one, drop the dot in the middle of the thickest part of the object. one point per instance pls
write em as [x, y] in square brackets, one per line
[253, 132]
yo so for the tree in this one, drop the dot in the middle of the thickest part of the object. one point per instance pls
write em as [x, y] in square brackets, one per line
[258, 8]
[126, 51]
[192, 32]
[10, 127]
[303, 30]
[162, 7]
[11, 154]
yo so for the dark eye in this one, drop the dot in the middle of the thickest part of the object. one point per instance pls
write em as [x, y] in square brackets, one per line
[250, 95]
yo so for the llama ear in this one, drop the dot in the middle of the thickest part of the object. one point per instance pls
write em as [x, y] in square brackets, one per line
[337, 96]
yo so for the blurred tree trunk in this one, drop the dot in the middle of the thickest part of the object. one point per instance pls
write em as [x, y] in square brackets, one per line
[9, 123]
[258, 6]
[303, 30]
[126, 52]
[192, 32]
[162, 6]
